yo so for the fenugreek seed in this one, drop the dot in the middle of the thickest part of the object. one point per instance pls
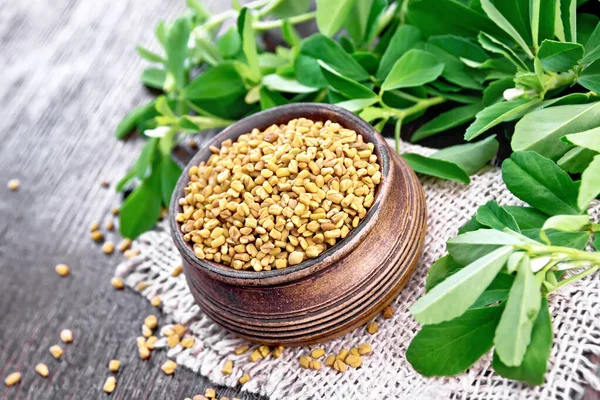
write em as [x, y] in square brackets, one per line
[353, 361]
[13, 184]
[315, 364]
[131, 253]
[108, 248]
[146, 332]
[117, 283]
[115, 211]
[173, 340]
[62, 269]
[110, 384]
[124, 245]
[255, 356]
[317, 353]
[169, 367]
[97, 236]
[56, 351]
[339, 366]
[94, 227]
[151, 321]
[143, 351]
[354, 351]
[156, 301]
[388, 312]
[188, 342]
[295, 257]
[210, 393]
[304, 361]
[114, 365]
[42, 370]
[244, 379]
[227, 368]
[342, 355]
[242, 349]
[364, 349]
[12, 379]
[179, 329]
[277, 352]
[330, 360]
[110, 225]
[372, 327]
[312, 251]
[177, 271]
[104, 183]
[66, 335]
[142, 285]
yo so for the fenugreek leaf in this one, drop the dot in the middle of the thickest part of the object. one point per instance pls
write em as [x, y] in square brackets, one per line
[438, 168]
[576, 160]
[494, 45]
[440, 270]
[590, 184]
[154, 78]
[500, 20]
[216, 82]
[589, 78]
[327, 50]
[169, 174]
[149, 55]
[280, 84]
[589, 139]
[470, 157]
[134, 117]
[564, 223]
[452, 297]
[592, 46]
[332, 14]
[414, 68]
[269, 99]
[246, 32]
[513, 333]
[496, 114]
[494, 92]
[453, 346]
[290, 34]
[230, 43]
[450, 119]
[471, 246]
[405, 38]
[559, 56]
[542, 20]
[346, 86]
[527, 217]
[497, 291]
[176, 48]
[495, 216]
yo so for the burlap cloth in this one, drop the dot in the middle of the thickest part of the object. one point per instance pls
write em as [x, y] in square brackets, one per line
[385, 374]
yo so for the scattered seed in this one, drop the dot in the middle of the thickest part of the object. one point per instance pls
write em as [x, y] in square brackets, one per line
[117, 283]
[110, 225]
[188, 342]
[342, 355]
[177, 270]
[131, 253]
[151, 341]
[372, 327]
[179, 329]
[364, 349]
[167, 331]
[277, 352]
[110, 384]
[173, 340]
[330, 360]
[94, 227]
[264, 351]
[108, 248]
[143, 350]
[62, 269]
[227, 368]
[155, 301]
[56, 351]
[242, 349]
[353, 361]
[142, 285]
[124, 245]
[97, 236]
[304, 361]
[210, 393]
[104, 183]
[151, 321]
[340, 366]
[13, 379]
[169, 367]
[192, 144]
[388, 312]
[14, 184]
[315, 364]
[354, 351]
[244, 379]
[255, 356]
[66, 335]
[146, 332]
[317, 353]
[42, 370]
[114, 365]
[115, 211]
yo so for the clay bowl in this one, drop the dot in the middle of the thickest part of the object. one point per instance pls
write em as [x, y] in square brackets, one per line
[343, 288]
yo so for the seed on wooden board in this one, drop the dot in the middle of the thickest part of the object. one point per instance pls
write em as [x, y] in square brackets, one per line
[156, 301]
[353, 361]
[62, 269]
[117, 283]
[143, 350]
[173, 340]
[388, 312]
[242, 349]
[364, 349]
[114, 365]
[372, 327]
[146, 332]
[151, 321]
[244, 379]
[315, 364]
[317, 353]
[187, 342]
[339, 366]
[169, 367]
[13, 184]
[124, 245]
[104, 183]
[97, 236]
[66, 335]
[151, 341]
[12, 379]
[115, 211]
[56, 351]
[227, 368]
[330, 360]
[42, 370]
[179, 329]
[304, 361]
[108, 248]
[110, 384]
[177, 271]
[210, 393]
[94, 227]
[110, 225]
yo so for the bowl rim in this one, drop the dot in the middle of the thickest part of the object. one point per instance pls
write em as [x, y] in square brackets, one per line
[262, 120]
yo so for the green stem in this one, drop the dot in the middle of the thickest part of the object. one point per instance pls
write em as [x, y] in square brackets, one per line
[403, 10]
[573, 254]
[270, 6]
[574, 278]
[560, 80]
[421, 105]
[397, 128]
[267, 25]
[407, 96]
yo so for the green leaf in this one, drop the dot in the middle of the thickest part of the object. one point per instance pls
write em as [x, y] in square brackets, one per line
[513, 333]
[280, 84]
[458, 97]
[269, 62]
[367, 60]
[356, 105]
[597, 241]
[542, 129]
[414, 68]
[459, 47]
[506, 26]
[496, 114]
[575, 240]
[527, 217]
[542, 20]
[451, 347]
[514, 260]
[590, 77]
[438, 168]
[586, 23]
[440, 270]
[495, 216]
[559, 56]
[332, 14]
[141, 208]
[495, 91]
[176, 49]
[133, 117]
[452, 297]
[535, 362]
[364, 16]
[269, 99]
[405, 38]
[590, 184]
[492, 44]
[470, 157]
[154, 78]
[450, 119]
[568, 11]
[149, 55]
[246, 32]
[308, 72]
[220, 81]
[564, 223]
[169, 174]
[471, 246]
[289, 8]
[470, 226]
[541, 183]
[517, 13]
[497, 291]
[290, 34]
[589, 139]
[323, 48]
[346, 86]
[455, 70]
[207, 51]
[592, 47]
[230, 43]
[576, 160]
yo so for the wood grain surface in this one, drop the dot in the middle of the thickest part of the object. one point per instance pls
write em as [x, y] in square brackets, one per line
[69, 72]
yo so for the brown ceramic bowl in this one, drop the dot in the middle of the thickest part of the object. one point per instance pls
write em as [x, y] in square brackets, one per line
[345, 286]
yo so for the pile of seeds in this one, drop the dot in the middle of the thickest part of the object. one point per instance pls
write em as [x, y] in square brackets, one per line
[275, 198]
